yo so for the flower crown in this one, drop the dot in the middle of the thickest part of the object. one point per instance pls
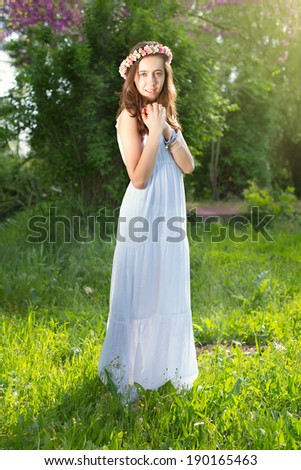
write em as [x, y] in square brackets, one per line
[142, 52]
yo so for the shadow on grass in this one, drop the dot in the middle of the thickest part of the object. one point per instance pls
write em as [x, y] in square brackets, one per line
[91, 415]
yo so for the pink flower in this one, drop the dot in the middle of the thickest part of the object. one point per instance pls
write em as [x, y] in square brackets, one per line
[142, 52]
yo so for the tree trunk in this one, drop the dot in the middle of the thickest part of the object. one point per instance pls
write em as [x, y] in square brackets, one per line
[213, 166]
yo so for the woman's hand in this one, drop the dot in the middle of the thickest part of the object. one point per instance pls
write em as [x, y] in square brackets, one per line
[154, 116]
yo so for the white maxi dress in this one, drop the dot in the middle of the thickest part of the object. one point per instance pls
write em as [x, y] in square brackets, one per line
[149, 337]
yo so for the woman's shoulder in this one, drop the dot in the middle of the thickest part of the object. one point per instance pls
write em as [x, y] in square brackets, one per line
[126, 119]
[126, 114]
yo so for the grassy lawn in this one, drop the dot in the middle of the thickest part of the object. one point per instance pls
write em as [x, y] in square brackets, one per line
[246, 304]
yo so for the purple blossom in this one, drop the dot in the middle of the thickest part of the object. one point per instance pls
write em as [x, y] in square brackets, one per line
[60, 15]
[224, 3]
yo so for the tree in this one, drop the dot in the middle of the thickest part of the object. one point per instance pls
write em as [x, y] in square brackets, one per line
[69, 84]
[61, 15]
[256, 44]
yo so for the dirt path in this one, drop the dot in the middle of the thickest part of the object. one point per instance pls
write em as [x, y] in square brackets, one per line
[218, 207]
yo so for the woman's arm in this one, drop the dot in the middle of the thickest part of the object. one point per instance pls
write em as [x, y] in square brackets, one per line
[180, 151]
[140, 161]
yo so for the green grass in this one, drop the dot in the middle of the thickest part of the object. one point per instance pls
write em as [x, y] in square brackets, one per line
[54, 309]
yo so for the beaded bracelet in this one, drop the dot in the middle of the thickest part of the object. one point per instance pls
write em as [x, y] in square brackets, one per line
[174, 148]
[171, 139]
[177, 141]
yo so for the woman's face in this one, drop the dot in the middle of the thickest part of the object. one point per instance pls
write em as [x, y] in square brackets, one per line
[150, 76]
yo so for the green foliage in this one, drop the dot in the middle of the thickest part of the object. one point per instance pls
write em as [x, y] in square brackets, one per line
[283, 203]
[245, 147]
[258, 68]
[67, 93]
[244, 151]
[70, 130]
[19, 186]
[241, 58]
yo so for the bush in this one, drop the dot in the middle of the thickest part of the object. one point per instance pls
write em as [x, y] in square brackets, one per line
[281, 202]
[19, 185]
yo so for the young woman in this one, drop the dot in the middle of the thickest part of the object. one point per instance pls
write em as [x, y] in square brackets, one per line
[149, 338]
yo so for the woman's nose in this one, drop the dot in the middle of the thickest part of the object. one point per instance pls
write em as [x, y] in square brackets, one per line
[152, 80]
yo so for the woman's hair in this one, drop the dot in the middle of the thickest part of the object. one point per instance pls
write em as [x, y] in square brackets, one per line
[131, 99]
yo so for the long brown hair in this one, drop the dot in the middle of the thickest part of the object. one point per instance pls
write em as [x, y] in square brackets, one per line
[131, 99]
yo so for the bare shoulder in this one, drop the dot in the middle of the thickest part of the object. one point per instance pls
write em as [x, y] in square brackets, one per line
[131, 140]
[127, 123]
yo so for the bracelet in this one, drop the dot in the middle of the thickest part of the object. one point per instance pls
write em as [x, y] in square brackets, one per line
[176, 147]
[173, 149]
[171, 139]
